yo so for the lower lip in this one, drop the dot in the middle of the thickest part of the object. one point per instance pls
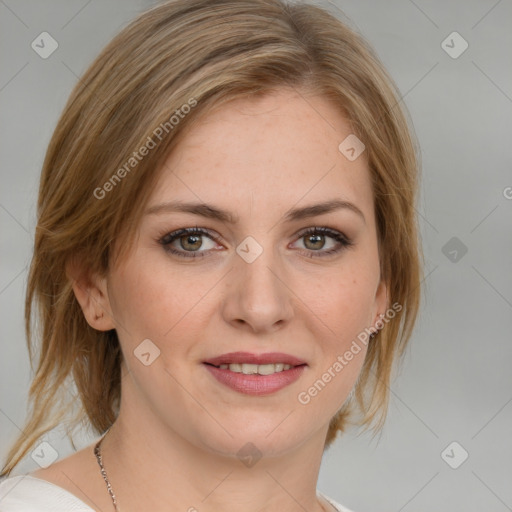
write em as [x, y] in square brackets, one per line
[256, 384]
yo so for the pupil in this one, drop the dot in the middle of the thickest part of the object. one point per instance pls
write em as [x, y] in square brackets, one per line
[193, 239]
[315, 238]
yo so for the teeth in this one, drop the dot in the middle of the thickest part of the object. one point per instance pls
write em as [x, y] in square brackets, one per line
[252, 369]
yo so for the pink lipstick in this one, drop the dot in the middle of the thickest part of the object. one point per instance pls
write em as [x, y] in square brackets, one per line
[256, 374]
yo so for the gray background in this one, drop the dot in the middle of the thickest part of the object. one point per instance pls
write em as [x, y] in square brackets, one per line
[455, 384]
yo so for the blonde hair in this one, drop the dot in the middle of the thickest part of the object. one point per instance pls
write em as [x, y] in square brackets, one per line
[208, 52]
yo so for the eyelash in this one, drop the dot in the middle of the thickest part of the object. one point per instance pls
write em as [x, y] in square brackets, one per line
[166, 240]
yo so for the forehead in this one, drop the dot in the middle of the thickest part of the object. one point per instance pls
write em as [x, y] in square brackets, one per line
[266, 153]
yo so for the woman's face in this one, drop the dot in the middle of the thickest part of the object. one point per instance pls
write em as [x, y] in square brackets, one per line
[250, 280]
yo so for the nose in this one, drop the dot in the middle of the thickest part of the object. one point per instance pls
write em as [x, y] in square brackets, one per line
[258, 296]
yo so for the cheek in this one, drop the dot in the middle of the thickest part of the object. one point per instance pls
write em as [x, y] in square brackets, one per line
[154, 300]
[341, 314]
[341, 302]
[142, 303]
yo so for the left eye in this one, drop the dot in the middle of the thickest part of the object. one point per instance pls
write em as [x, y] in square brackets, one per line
[190, 242]
[315, 239]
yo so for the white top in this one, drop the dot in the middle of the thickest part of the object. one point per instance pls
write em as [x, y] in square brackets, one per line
[26, 493]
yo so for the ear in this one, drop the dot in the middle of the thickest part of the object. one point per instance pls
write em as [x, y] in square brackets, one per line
[92, 294]
[381, 301]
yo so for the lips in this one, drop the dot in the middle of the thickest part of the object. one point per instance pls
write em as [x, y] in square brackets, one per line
[256, 374]
[259, 359]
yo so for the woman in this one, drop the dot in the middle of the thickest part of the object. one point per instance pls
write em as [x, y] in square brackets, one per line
[226, 262]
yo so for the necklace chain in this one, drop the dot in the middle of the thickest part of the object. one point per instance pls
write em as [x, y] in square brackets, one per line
[97, 452]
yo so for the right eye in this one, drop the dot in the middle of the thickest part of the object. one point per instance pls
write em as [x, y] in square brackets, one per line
[189, 240]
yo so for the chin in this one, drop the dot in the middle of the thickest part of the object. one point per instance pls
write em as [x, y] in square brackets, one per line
[255, 440]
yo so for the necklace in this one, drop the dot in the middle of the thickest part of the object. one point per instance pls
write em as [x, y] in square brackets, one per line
[97, 452]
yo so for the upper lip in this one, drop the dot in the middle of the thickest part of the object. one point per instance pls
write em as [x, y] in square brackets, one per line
[250, 358]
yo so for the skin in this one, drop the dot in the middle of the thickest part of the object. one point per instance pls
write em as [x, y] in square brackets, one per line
[174, 445]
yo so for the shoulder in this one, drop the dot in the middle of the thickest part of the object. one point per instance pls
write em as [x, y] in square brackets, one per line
[25, 493]
[337, 506]
[63, 486]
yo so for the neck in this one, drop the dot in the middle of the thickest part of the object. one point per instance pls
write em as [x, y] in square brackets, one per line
[152, 467]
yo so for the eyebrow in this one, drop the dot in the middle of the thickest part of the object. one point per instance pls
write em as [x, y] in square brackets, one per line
[211, 212]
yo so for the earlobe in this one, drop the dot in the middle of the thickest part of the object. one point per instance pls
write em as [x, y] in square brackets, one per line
[381, 301]
[91, 293]
[380, 309]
